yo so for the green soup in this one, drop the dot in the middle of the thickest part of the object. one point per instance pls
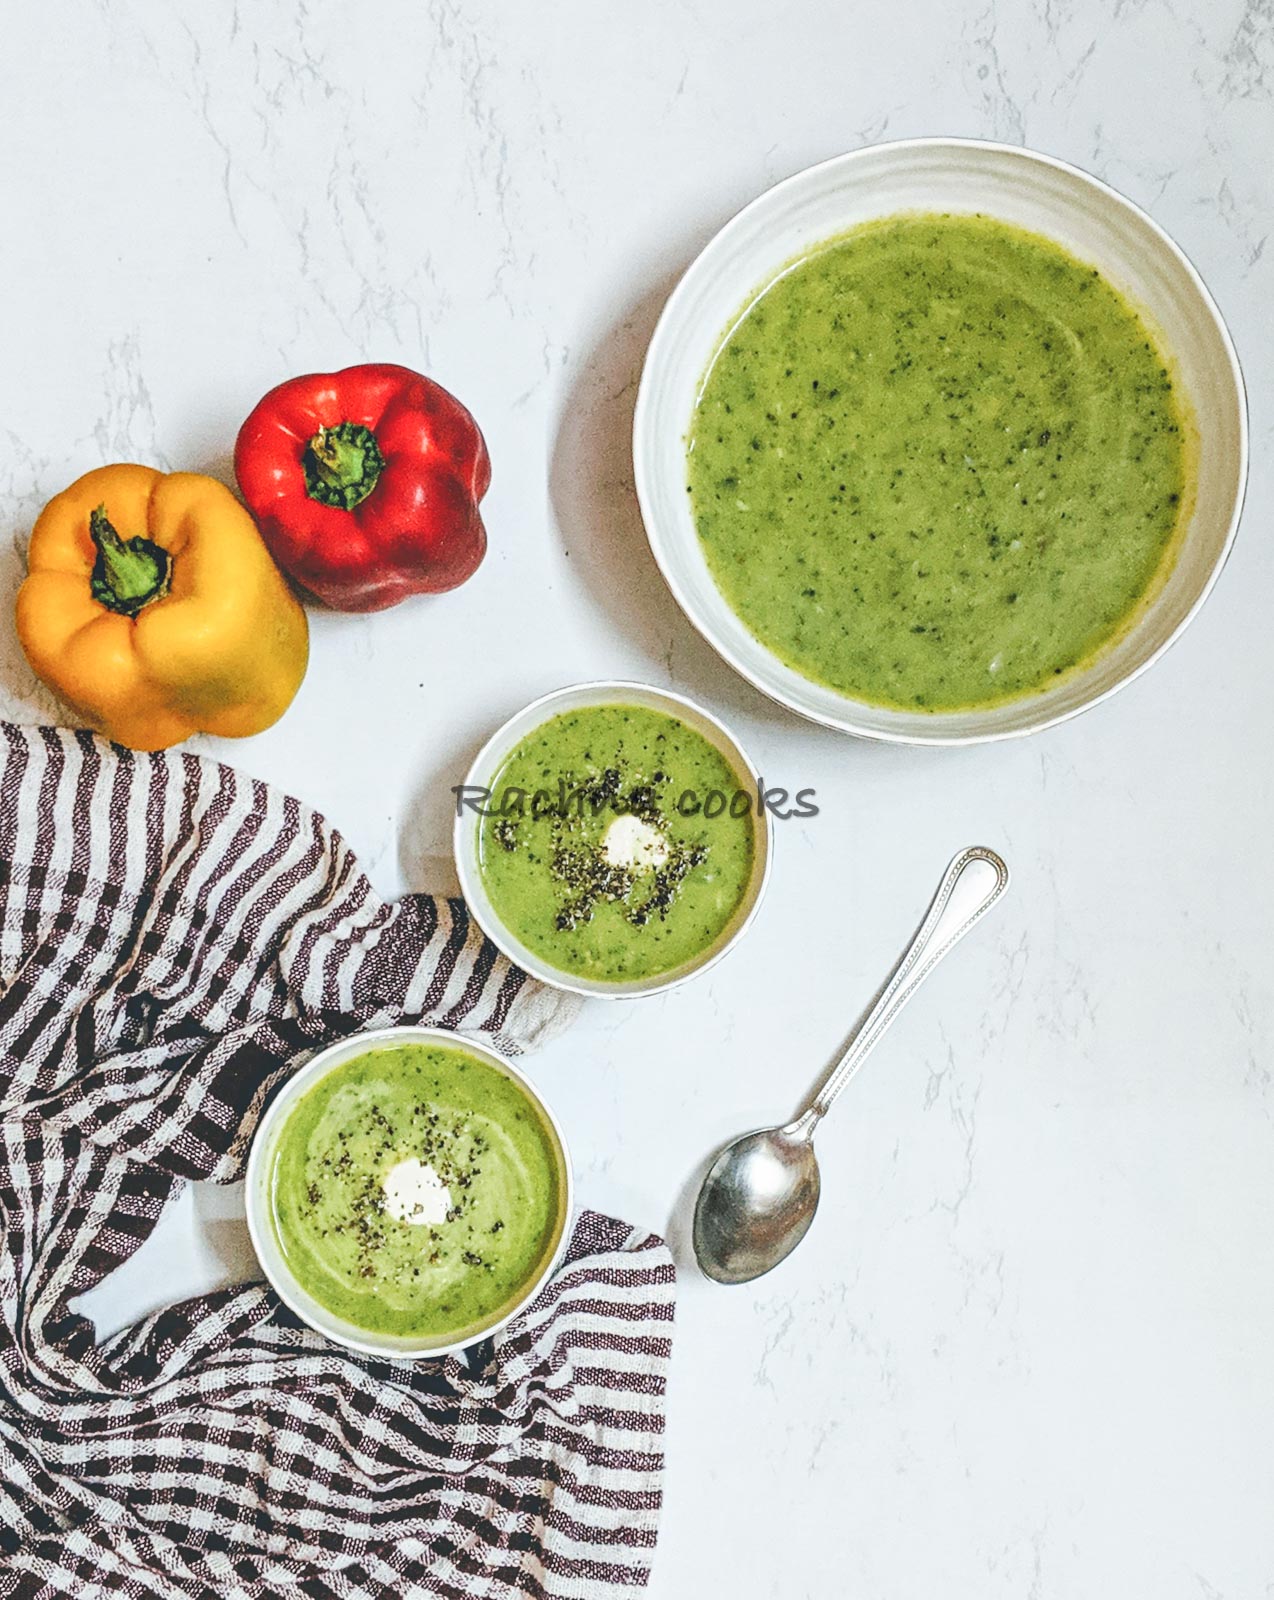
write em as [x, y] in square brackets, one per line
[416, 1191]
[618, 842]
[938, 464]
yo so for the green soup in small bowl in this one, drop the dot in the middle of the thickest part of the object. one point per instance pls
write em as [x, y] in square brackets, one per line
[612, 839]
[408, 1192]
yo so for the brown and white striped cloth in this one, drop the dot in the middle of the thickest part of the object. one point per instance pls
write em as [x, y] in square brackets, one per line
[174, 938]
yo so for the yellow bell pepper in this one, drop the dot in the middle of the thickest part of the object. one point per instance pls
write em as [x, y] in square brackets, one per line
[154, 609]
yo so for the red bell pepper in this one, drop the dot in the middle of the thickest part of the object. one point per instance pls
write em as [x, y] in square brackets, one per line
[365, 484]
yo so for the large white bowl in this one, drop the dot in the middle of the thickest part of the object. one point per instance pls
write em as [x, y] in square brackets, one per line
[959, 175]
[483, 774]
[260, 1210]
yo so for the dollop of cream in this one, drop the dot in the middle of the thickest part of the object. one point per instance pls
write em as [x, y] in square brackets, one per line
[413, 1192]
[633, 844]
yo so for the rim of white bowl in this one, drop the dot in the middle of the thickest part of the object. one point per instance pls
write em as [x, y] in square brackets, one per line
[601, 692]
[261, 1227]
[655, 536]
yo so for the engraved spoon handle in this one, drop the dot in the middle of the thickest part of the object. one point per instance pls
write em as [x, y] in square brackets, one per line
[970, 886]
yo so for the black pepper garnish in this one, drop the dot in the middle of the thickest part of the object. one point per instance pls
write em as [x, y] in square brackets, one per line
[667, 882]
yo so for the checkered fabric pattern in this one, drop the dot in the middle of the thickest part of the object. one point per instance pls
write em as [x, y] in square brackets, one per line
[174, 938]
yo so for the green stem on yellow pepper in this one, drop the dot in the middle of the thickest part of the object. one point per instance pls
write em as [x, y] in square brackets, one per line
[128, 573]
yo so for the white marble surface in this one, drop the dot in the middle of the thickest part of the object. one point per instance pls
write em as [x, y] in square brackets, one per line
[1029, 1348]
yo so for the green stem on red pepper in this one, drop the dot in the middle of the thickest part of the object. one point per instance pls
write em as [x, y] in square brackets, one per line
[127, 573]
[342, 465]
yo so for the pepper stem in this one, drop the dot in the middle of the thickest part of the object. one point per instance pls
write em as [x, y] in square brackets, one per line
[342, 465]
[128, 573]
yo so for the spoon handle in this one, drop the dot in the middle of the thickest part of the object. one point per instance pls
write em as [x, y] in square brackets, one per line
[970, 886]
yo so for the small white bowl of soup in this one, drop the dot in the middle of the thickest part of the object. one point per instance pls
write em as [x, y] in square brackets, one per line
[613, 839]
[941, 441]
[409, 1192]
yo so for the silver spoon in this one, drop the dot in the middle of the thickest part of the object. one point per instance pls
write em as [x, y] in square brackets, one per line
[761, 1193]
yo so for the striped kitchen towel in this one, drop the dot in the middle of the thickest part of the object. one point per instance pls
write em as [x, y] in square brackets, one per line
[174, 938]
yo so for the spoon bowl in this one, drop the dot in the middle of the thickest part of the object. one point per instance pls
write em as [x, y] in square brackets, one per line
[756, 1203]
